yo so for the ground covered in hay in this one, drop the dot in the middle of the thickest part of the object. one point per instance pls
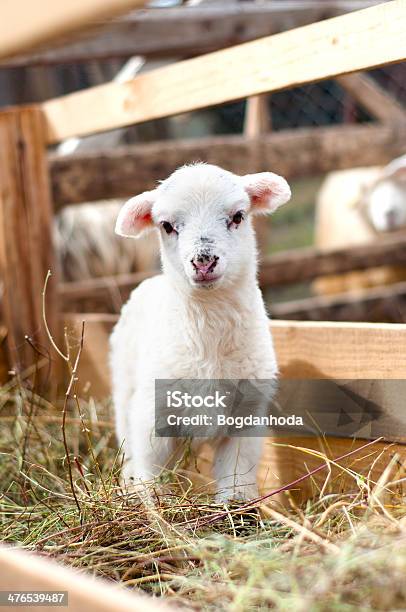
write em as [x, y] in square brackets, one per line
[339, 552]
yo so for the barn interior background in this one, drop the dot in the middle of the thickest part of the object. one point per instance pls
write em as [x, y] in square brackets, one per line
[341, 122]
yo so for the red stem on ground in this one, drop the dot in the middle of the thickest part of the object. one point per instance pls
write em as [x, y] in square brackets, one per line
[258, 500]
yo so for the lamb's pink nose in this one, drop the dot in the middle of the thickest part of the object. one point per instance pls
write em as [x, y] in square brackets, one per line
[204, 265]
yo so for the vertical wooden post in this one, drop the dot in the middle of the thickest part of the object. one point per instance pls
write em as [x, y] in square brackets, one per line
[257, 118]
[26, 235]
[257, 121]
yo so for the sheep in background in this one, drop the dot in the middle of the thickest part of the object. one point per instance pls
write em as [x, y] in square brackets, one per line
[84, 236]
[355, 207]
[385, 199]
[88, 248]
[203, 318]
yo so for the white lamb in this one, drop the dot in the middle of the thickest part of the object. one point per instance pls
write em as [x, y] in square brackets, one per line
[203, 318]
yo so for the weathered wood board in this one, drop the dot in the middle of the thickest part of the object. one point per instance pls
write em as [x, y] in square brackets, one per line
[25, 24]
[26, 235]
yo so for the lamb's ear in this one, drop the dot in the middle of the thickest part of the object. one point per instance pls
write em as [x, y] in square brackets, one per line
[267, 191]
[396, 169]
[135, 216]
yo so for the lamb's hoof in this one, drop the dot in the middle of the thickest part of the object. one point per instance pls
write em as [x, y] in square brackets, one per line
[245, 518]
[136, 490]
[235, 498]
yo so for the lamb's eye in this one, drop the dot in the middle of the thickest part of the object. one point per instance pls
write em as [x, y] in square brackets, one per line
[168, 227]
[238, 217]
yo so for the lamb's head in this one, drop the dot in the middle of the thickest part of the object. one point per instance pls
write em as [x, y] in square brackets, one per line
[386, 198]
[203, 215]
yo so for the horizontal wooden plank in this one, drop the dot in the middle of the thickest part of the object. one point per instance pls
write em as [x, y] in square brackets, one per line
[105, 294]
[305, 350]
[300, 265]
[349, 43]
[387, 303]
[128, 170]
[310, 349]
[25, 24]
[188, 30]
[27, 571]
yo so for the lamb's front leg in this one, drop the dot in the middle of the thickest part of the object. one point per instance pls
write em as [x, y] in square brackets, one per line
[236, 466]
[145, 455]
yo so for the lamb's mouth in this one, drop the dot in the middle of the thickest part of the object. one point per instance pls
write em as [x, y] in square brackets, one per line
[205, 280]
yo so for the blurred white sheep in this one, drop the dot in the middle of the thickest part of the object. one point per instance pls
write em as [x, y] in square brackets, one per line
[84, 233]
[87, 246]
[356, 207]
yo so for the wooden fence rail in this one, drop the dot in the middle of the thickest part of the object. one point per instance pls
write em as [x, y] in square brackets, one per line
[106, 294]
[349, 43]
[25, 24]
[129, 170]
[387, 303]
[186, 31]
[301, 265]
